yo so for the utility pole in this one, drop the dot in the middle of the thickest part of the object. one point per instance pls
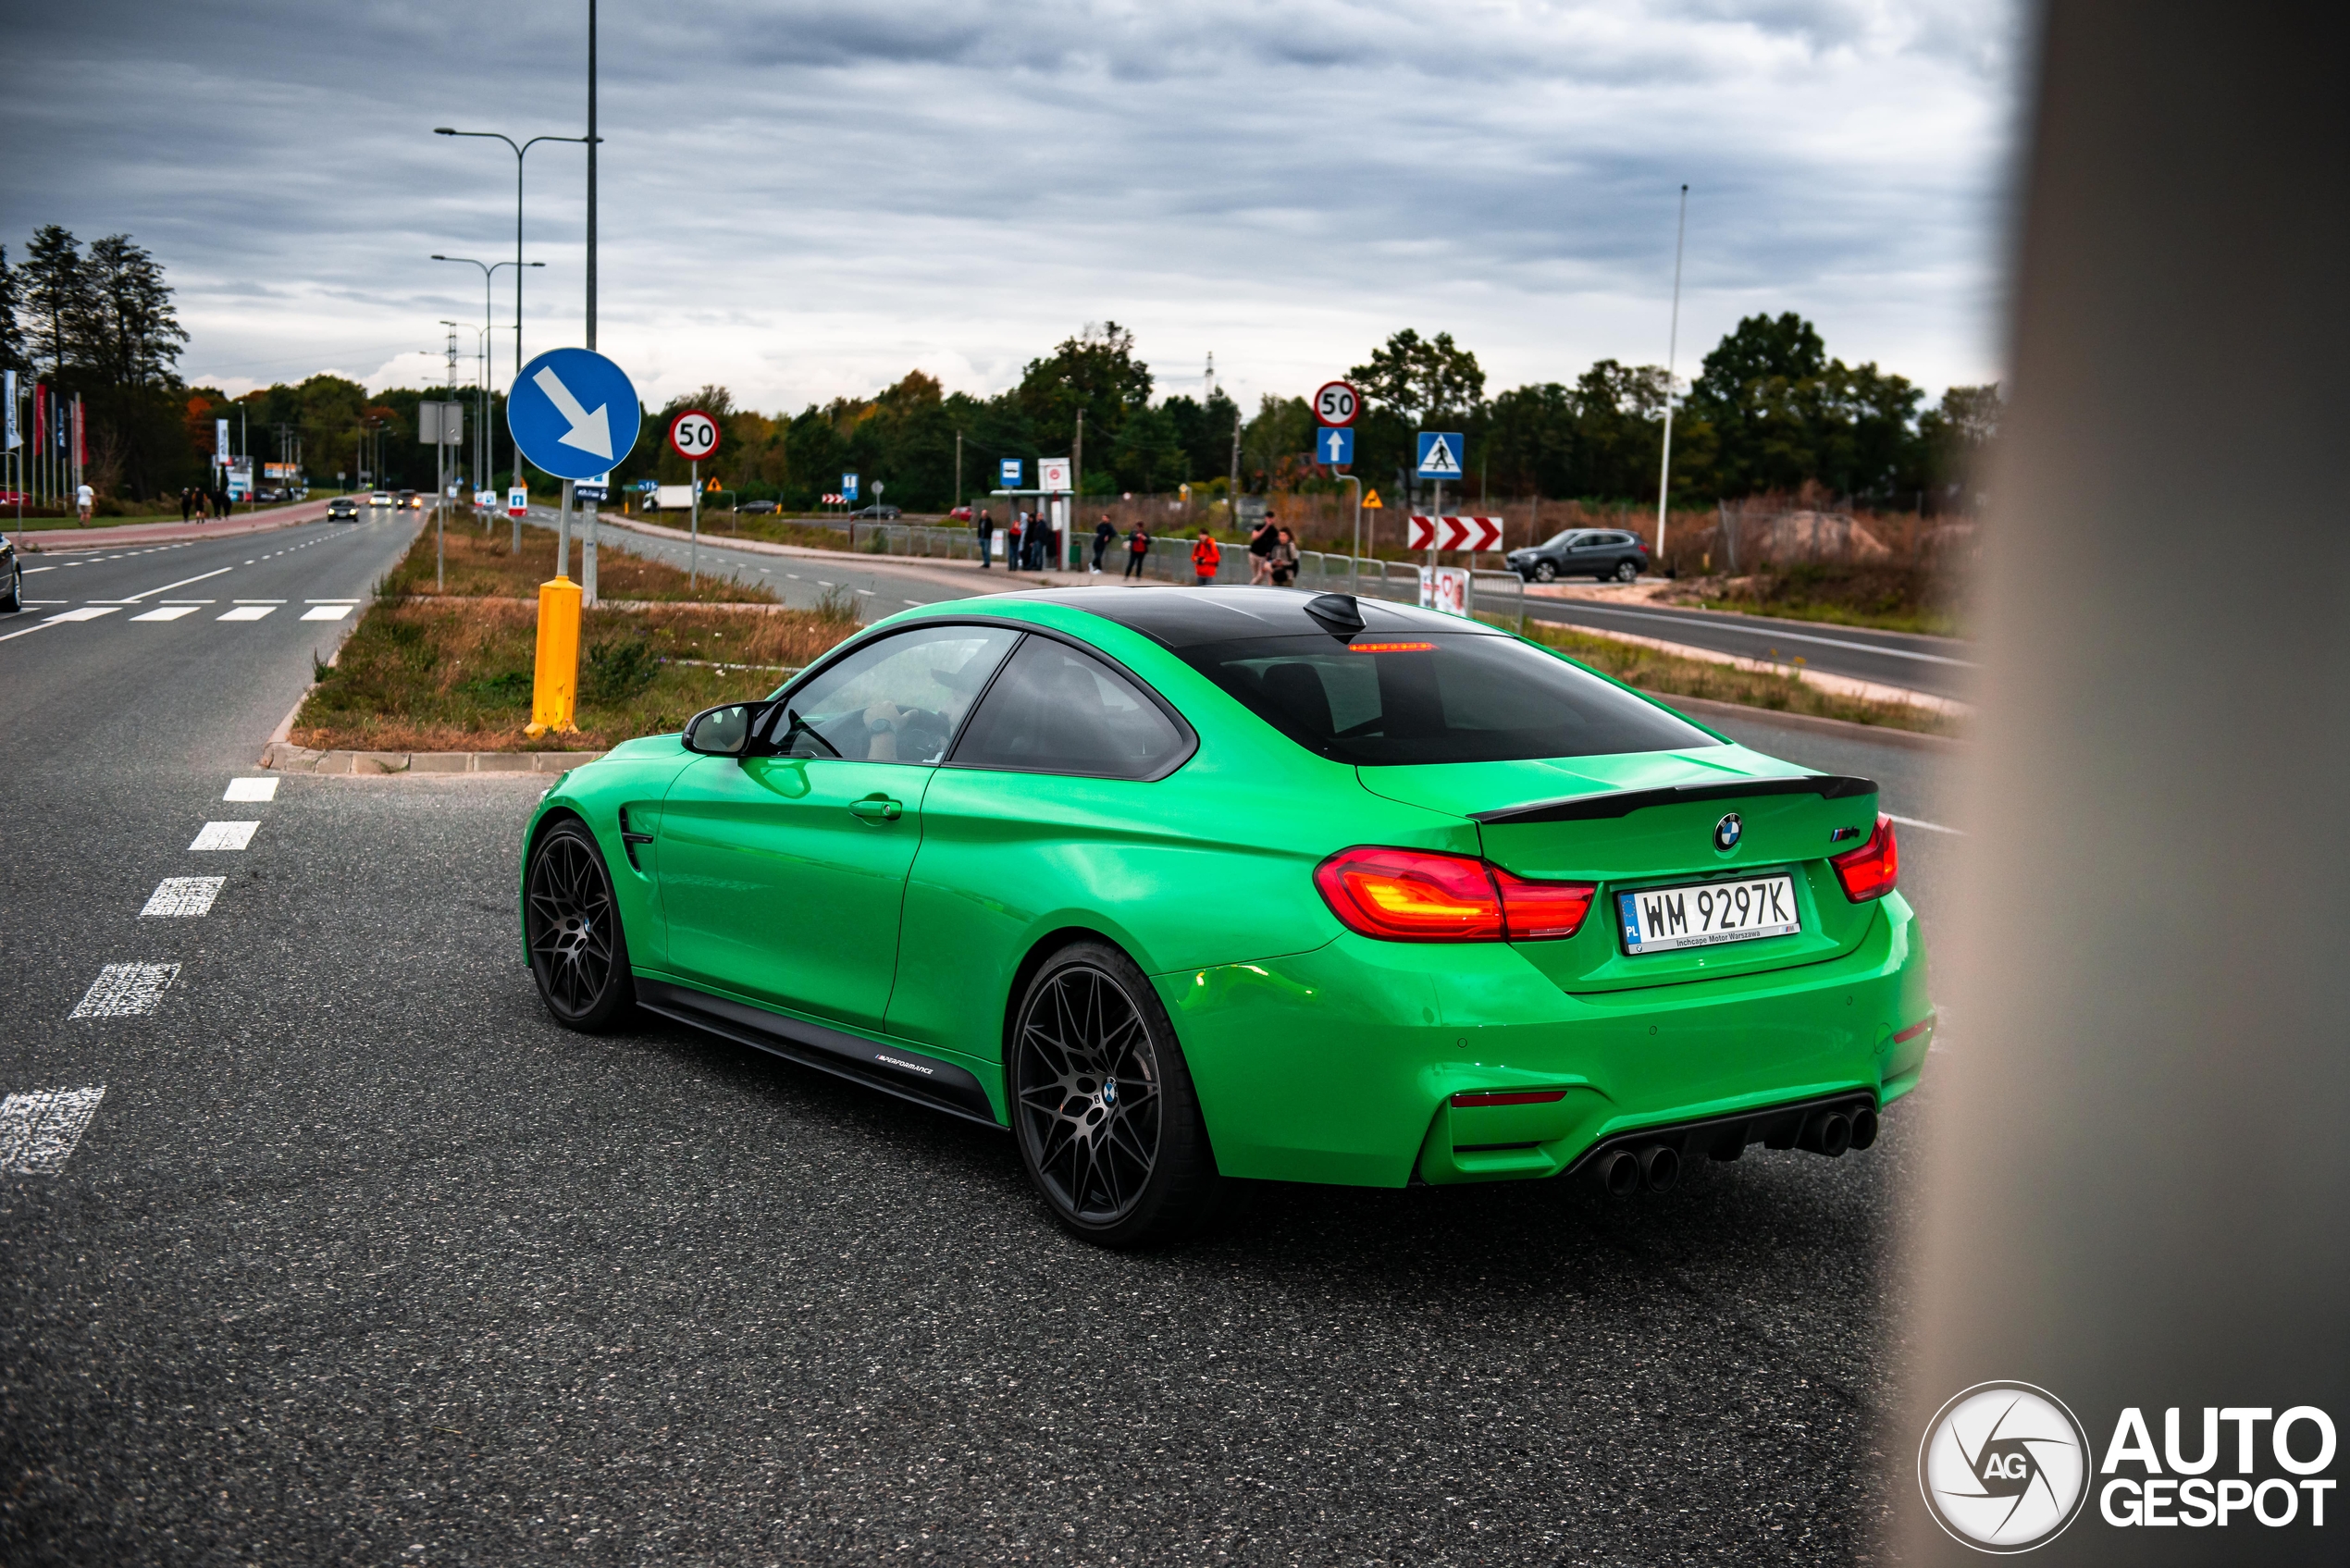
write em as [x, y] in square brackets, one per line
[1672, 349]
[958, 471]
[1076, 480]
[591, 185]
[1232, 496]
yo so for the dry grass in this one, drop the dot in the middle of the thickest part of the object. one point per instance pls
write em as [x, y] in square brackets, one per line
[456, 675]
[1667, 674]
[479, 565]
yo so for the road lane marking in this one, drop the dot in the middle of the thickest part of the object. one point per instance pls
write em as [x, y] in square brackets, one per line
[31, 570]
[182, 898]
[248, 612]
[250, 789]
[126, 990]
[181, 584]
[225, 836]
[317, 601]
[168, 612]
[327, 612]
[1930, 827]
[256, 602]
[87, 612]
[40, 1129]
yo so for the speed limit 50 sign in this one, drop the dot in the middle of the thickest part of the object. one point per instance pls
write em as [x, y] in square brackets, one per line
[693, 435]
[1337, 404]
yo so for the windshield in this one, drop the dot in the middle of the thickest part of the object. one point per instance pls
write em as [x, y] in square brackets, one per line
[1562, 539]
[1435, 697]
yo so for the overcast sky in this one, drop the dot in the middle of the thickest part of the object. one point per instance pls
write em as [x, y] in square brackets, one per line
[801, 201]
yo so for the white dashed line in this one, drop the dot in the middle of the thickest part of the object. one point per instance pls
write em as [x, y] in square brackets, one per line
[31, 570]
[248, 612]
[182, 898]
[225, 836]
[250, 789]
[168, 612]
[40, 1129]
[1930, 827]
[327, 612]
[126, 990]
[181, 584]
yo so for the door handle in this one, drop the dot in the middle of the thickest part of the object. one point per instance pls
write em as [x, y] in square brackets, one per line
[877, 809]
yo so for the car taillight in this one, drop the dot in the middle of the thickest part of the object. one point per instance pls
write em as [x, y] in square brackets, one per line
[1420, 895]
[1542, 911]
[1870, 870]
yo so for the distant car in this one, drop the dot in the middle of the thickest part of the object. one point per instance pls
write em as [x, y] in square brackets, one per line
[961, 515]
[342, 509]
[758, 508]
[11, 572]
[878, 512]
[380, 498]
[14, 498]
[1608, 554]
[411, 500]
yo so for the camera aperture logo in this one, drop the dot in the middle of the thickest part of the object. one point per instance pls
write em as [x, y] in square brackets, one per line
[2004, 1467]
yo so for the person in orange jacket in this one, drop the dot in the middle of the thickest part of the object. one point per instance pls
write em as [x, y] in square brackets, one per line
[1205, 557]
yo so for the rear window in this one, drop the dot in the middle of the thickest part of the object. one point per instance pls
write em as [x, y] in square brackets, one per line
[1386, 699]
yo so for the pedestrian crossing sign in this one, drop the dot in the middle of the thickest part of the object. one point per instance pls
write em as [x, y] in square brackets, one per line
[1371, 502]
[1439, 454]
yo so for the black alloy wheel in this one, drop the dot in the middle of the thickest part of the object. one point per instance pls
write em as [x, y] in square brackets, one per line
[1546, 572]
[1109, 1125]
[578, 954]
[1627, 570]
[15, 602]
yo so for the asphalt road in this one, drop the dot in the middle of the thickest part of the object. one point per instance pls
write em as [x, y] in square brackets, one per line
[1940, 665]
[360, 1259]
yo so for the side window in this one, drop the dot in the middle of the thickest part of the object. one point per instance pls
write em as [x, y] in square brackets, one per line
[899, 699]
[1058, 711]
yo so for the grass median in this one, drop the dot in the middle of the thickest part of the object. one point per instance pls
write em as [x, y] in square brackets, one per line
[453, 671]
[1670, 675]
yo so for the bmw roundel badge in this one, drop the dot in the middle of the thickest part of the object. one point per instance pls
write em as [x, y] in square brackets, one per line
[1727, 831]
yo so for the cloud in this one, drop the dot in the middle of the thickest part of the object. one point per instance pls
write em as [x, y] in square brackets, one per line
[802, 201]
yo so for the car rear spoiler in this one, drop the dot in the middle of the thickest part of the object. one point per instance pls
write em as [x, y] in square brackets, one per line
[1624, 802]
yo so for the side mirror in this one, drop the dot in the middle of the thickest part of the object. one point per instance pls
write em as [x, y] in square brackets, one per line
[721, 732]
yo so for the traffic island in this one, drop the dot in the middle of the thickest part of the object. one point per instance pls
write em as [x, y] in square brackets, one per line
[436, 681]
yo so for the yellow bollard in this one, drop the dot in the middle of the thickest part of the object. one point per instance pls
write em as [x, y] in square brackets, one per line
[555, 691]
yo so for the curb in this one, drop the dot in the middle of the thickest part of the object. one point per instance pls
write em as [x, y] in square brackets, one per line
[288, 757]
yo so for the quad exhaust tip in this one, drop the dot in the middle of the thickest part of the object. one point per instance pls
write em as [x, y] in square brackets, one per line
[1630, 1168]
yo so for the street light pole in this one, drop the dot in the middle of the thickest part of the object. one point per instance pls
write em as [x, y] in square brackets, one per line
[1672, 349]
[592, 140]
[489, 448]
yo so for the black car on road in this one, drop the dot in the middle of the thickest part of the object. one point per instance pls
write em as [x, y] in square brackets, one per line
[878, 512]
[12, 574]
[1608, 554]
[342, 509]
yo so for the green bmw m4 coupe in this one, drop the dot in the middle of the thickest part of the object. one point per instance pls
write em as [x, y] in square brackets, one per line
[1181, 885]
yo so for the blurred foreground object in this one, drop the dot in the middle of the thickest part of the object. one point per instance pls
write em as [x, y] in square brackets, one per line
[2138, 1181]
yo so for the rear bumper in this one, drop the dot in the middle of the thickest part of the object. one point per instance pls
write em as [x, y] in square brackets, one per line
[1339, 1065]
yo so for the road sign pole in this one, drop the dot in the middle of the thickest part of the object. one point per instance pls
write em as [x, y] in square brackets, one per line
[588, 509]
[693, 555]
[562, 535]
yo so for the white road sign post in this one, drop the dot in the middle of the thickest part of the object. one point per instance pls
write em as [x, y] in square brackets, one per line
[693, 436]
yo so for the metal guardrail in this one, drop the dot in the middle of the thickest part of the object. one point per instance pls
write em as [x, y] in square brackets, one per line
[1502, 593]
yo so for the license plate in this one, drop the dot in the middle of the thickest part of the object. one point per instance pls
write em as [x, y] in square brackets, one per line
[1661, 919]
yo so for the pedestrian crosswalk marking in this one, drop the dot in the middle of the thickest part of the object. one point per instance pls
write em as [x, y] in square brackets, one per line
[248, 612]
[40, 1129]
[225, 836]
[182, 898]
[126, 990]
[250, 789]
[168, 612]
[87, 612]
[327, 612]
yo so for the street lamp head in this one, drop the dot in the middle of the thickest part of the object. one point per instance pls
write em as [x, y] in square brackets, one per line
[444, 130]
[438, 257]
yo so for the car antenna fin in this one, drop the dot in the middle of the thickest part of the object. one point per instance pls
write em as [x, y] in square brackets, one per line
[1336, 614]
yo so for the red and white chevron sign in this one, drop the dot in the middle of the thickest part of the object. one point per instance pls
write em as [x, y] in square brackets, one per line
[1456, 533]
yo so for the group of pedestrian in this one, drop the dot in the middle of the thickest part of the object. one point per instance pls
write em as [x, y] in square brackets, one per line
[197, 501]
[1030, 541]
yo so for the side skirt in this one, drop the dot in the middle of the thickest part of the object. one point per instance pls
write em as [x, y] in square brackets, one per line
[910, 1075]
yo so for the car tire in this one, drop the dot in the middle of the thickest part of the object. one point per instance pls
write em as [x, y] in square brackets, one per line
[1627, 570]
[15, 602]
[1546, 572]
[1102, 1104]
[571, 926]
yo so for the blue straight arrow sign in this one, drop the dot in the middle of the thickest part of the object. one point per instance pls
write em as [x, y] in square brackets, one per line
[1334, 445]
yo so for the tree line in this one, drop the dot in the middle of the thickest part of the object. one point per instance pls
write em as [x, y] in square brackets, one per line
[1770, 410]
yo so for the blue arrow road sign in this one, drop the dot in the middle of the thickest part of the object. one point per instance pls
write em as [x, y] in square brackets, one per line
[1440, 455]
[849, 486]
[573, 413]
[1334, 445]
[1010, 467]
